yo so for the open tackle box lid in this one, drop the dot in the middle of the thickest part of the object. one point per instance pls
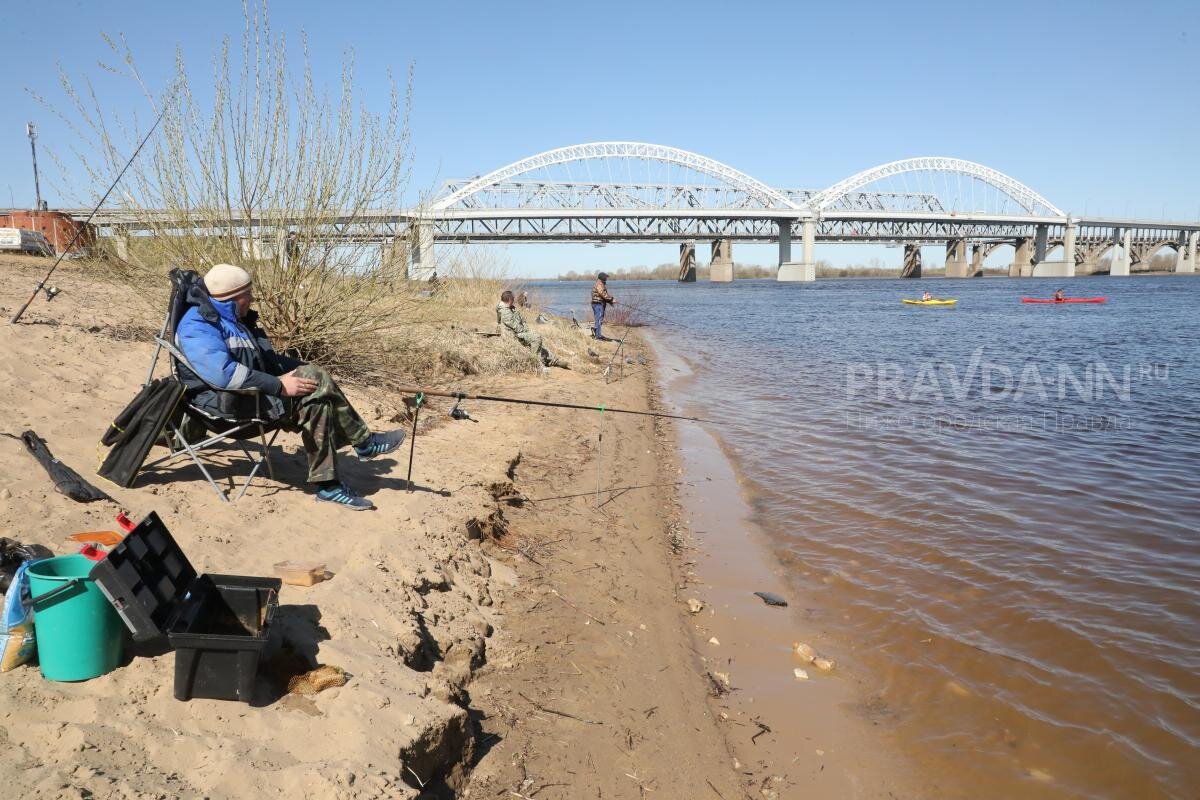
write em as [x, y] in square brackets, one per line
[147, 578]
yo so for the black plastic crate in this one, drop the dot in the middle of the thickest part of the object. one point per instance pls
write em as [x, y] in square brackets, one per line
[218, 625]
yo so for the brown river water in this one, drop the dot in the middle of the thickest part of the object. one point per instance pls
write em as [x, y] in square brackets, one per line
[996, 504]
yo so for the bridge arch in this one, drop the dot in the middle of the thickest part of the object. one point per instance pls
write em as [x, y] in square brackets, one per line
[1145, 253]
[1026, 197]
[769, 197]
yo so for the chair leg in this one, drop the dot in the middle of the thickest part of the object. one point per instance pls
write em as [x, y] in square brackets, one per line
[265, 457]
[196, 460]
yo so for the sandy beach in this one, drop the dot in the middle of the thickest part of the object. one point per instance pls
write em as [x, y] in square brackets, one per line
[506, 630]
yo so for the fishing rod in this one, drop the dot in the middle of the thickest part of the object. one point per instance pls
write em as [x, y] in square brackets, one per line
[79, 230]
[550, 404]
[420, 395]
[616, 352]
[632, 310]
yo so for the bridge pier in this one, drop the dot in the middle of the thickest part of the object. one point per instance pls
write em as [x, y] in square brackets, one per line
[1120, 261]
[1022, 265]
[1066, 267]
[976, 260]
[1186, 261]
[424, 264]
[806, 269]
[720, 266]
[956, 258]
[687, 262]
[784, 226]
[121, 244]
[912, 261]
[255, 248]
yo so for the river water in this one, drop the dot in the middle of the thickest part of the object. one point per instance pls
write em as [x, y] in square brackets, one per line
[997, 504]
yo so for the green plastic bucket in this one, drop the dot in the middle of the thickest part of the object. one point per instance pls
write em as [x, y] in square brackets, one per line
[79, 635]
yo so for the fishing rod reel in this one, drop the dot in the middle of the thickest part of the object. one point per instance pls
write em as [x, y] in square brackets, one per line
[460, 413]
[51, 292]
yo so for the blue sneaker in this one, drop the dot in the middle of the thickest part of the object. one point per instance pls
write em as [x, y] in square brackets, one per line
[342, 495]
[378, 444]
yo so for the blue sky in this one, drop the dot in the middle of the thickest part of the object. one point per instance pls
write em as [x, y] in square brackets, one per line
[1094, 104]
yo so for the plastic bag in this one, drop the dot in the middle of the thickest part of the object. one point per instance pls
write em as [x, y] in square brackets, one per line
[17, 642]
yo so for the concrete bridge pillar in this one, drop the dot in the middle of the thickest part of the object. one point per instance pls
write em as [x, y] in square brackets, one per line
[254, 248]
[121, 244]
[424, 262]
[1022, 266]
[1120, 261]
[912, 261]
[806, 268]
[785, 240]
[720, 267]
[976, 260]
[1069, 235]
[956, 258]
[1040, 238]
[1186, 262]
[687, 262]
[1064, 268]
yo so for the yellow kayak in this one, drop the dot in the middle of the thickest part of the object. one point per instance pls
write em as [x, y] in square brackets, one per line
[934, 302]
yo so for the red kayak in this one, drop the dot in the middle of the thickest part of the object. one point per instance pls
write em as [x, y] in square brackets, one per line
[1065, 300]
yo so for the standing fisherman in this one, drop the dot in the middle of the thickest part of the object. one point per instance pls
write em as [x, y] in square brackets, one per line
[600, 299]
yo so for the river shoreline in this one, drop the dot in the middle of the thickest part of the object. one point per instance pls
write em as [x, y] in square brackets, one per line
[819, 733]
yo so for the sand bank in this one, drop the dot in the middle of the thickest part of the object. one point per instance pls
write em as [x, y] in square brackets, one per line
[531, 643]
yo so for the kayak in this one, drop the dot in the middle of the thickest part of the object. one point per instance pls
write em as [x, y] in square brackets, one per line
[1065, 300]
[934, 302]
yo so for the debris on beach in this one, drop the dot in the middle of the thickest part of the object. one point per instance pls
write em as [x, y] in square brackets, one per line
[772, 599]
[800, 674]
[804, 651]
[713, 640]
[317, 680]
[824, 664]
[695, 606]
[719, 683]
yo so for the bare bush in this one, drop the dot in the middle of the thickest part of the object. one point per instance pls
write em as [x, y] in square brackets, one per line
[259, 166]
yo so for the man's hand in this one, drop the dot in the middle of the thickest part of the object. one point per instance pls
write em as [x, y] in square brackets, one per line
[295, 386]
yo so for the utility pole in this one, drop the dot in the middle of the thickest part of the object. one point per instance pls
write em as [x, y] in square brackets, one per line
[37, 188]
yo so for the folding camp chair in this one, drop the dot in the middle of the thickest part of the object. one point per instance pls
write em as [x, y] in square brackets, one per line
[222, 431]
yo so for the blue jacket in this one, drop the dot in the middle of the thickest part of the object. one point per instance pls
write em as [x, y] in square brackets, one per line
[231, 354]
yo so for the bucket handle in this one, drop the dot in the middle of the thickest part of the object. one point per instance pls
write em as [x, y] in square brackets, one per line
[50, 595]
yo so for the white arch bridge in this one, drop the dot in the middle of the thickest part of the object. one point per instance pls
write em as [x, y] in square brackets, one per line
[605, 192]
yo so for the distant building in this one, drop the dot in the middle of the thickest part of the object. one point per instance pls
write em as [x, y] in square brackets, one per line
[57, 227]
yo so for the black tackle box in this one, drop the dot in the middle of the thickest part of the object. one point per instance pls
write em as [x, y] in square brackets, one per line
[218, 625]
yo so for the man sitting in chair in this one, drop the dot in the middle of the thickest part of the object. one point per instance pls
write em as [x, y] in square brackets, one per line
[219, 335]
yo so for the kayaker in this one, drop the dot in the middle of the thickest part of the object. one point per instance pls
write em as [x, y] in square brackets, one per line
[1058, 297]
[926, 297]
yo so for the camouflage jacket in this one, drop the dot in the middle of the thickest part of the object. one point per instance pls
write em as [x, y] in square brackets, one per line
[511, 319]
[600, 293]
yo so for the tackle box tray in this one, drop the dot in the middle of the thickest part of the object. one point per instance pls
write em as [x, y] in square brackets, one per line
[218, 625]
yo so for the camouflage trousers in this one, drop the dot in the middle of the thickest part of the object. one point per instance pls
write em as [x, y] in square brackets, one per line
[326, 422]
[534, 342]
